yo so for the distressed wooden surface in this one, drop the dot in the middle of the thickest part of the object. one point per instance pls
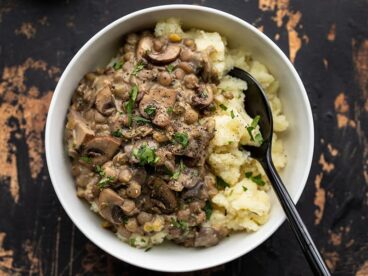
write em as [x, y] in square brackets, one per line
[326, 40]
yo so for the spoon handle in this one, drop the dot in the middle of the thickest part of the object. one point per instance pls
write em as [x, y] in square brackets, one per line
[309, 248]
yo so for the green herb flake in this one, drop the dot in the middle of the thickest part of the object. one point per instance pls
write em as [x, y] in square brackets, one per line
[256, 179]
[212, 108]
[252, 126]
[181, 138]
[130, 104]
[230, 142]
[132, 242]
[170, 68]
[118, 65]
[248, 174]
[145, 155]
[245, 188]
[105, 182]
[147, 249]
[177, 173]
[169, 110]
[125, 220]
[99, 171]
[180, 224]
[138, 67]
[140, 120]
[208, 209]
[232, 114]
[150, 110]
[117, 133]
[255, 121]
[258, 138]
[223, 107]
[220, 183]
[86, 159]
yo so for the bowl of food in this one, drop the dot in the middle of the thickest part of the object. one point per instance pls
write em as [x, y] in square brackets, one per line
[144, 135]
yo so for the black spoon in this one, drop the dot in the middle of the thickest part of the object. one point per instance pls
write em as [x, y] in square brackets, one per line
[257, 104]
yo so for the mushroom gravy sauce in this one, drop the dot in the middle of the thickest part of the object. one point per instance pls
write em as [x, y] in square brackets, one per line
[137, 134]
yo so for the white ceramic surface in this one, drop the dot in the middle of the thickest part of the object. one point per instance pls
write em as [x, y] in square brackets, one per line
[299, 139]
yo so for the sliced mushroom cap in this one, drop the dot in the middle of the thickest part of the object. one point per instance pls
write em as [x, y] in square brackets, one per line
[144, 46]
[203, 97]
[165, 56]
[161, 98]
[208, 72]
[206, 237]
[186, 179]
[162, 192]
[197, 192]
[104, 101]
[80, 130]
[109, 204]
[101, 149]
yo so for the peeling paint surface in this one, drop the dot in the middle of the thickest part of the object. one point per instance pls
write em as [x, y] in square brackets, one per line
[327, 41]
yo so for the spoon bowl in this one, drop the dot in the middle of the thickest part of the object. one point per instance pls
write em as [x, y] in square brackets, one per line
[256, 104]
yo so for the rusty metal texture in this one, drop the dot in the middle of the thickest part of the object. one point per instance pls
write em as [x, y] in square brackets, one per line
[326, 40]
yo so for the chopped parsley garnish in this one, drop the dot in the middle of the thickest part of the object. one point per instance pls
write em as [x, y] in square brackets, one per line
[212, 108]
[105, 182]
[86, 159]
[255, 121]
[181, 138]
[150, 110]
[141, 120]
[132, 242]
[220, 183]
[170, 68]
[232, 114]
[130, 104]
[147, 249]
[256, 179]
[117, 133]
[223, 107]
[245, 188]
[208, 209]
[230, 142]
[180, 224]
[138, 67]
[248, 174]
[177, 173]
[118, 65]
[145, 155]
[99, 171]
[258, 138]
[169, 110]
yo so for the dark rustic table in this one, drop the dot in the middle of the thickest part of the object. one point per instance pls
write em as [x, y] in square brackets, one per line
[328, 44]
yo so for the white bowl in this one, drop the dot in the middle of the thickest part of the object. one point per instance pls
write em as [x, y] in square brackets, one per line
[299, 140]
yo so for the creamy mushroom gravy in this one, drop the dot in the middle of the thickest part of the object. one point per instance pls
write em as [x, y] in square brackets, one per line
[137, 133]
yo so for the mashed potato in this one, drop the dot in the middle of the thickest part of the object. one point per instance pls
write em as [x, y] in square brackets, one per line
[243, 205]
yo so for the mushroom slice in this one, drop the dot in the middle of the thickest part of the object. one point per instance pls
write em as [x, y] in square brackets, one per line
[162, 192]
[144, 46]
[206, 237]
[204, 96]
[104, 101]
[109, 204]
[101, 149]
[80, 130]
[161, 98]
[167, 55]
